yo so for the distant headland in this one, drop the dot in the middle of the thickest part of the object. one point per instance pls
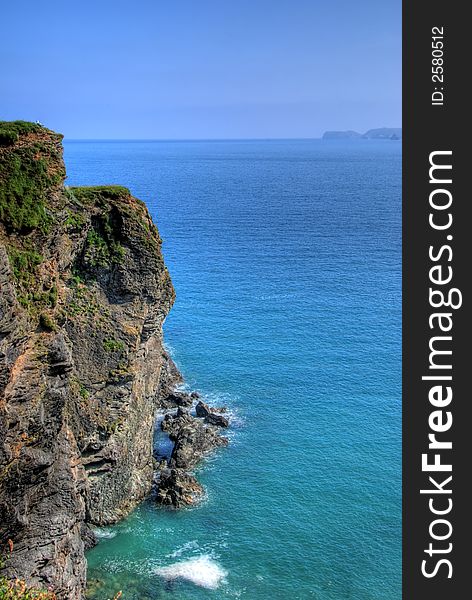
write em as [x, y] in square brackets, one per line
[382, 133]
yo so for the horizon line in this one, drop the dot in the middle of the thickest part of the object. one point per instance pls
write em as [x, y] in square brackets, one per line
[222, 139]
[255, 139]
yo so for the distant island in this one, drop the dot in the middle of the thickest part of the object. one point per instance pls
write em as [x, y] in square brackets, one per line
[382, 133]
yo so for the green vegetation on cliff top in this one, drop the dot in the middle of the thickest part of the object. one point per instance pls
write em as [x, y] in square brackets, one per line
[10, 131]
[93, 193]
[32, 200]
[27, 173]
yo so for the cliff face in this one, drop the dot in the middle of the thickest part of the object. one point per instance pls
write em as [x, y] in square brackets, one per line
[83, 295]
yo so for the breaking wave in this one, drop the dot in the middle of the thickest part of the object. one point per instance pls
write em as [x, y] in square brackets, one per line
[201, 571]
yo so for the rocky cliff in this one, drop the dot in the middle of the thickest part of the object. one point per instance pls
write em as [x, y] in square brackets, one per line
[83, 295]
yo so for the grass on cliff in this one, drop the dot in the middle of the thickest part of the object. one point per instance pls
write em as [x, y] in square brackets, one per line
[10, 131]
[26, 175]
[24, 264]
[102, 247]
[112, 345]
[92, 194]
[17, 589]
[24, 180]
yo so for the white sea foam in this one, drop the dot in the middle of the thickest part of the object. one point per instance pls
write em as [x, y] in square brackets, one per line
[201, 571]
[193, 545]
[231, 404]
[104, 533]
[169, 349]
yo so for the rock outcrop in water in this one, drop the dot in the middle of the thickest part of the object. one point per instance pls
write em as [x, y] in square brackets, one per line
[194, 438]
[83, 295]
[211, 415]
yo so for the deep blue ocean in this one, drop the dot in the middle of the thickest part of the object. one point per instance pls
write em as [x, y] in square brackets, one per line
[286, 260]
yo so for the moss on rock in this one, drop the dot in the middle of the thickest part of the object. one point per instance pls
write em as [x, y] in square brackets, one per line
[29, 170]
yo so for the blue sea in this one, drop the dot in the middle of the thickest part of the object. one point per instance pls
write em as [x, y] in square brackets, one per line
[286, 260]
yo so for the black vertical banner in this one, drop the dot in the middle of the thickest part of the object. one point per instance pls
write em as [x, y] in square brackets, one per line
[437, 251]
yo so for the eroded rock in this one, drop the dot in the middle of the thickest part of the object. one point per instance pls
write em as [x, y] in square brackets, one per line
[193, 440]
[177, 488]
[210, 415]
[175, 399]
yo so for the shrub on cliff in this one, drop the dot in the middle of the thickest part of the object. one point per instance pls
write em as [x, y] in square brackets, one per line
[18, 590]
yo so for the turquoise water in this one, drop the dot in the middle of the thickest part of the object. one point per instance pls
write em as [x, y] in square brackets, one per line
[285, 256]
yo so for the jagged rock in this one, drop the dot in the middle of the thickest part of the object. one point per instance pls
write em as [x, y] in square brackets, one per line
[173, 423]
[175, 399]
[202, 409]
[210, 415]
[217, 420]
[193, 440]
[88, 536]
[60, 357]
[193, 443]
[162, 465]
[178, 488]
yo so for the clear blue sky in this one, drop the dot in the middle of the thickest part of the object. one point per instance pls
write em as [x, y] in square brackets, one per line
[166, 69]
